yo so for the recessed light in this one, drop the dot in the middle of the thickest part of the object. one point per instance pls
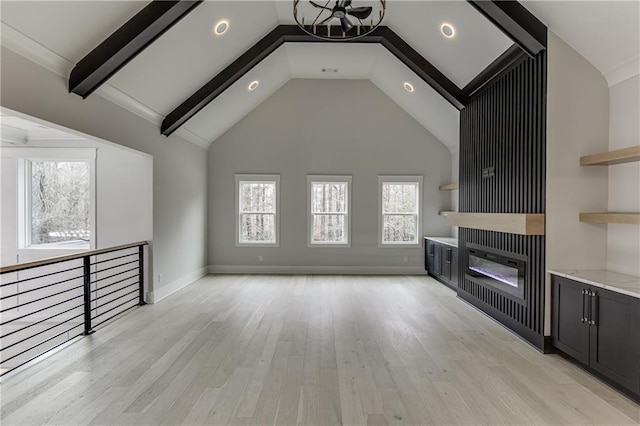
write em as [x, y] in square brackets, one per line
[253, 85]
[408, 87]
[221, 27]
[447, 30]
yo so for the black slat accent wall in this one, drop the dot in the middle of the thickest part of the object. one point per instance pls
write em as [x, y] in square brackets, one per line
[504, 127]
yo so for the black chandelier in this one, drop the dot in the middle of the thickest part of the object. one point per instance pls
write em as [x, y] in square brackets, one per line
[355, 22]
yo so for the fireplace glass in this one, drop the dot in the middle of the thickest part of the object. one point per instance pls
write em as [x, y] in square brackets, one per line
[502, 271]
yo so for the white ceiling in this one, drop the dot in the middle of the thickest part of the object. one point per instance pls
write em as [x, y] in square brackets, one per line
[476, 43]
[295, 60]
[189, 55]
[71, 29]
[606, 33]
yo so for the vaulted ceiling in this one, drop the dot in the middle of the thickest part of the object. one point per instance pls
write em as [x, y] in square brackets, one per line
[189, 54]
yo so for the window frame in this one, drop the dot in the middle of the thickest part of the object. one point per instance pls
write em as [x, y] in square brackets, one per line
[311, 179]
[25, 157]
[262, 178]
[413, 180]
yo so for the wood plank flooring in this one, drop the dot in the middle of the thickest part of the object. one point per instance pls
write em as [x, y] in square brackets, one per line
[308, 350]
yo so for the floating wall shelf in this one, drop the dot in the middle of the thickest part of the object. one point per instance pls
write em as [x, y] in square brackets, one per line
[449, 186]
[511, 223]
[445, 213]
[611, 217]
[619, 156]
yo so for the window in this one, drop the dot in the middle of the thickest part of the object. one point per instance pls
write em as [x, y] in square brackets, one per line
[329, 219]
[257, 206]
[59, 201]
[399, 205]
[56, 199]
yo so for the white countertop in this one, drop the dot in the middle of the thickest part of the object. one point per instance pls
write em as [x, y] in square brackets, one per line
[609, 280]
[450, 241]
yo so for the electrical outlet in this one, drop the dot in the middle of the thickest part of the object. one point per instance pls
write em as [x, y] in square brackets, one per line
[159, 278]
[406, 259]
[260, 258]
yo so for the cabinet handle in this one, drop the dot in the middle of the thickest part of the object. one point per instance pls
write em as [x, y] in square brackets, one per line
[594, 308]
[583, 318]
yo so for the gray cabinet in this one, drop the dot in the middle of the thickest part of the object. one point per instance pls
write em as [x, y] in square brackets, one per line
[599, 328]
[441, 262]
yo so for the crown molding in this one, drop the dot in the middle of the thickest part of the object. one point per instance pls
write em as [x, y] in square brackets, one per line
[125, 101]
[623, 72]
[188, 135]
[25, 46]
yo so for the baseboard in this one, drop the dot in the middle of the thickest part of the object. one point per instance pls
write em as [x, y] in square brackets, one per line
[317, 270]
[167, 290]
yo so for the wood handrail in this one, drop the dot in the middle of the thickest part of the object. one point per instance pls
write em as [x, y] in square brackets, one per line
[59, 259]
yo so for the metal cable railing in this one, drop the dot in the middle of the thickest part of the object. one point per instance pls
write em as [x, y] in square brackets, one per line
[46, 303]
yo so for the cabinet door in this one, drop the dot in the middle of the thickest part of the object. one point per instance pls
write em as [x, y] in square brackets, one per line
[569, 328]
[429, 255]
[446, 263]
[454, 267]
[437, 260]
[615, 337]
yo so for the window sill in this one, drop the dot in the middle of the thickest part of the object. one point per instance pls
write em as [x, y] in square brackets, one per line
[257, 245]
[403, 246]
[328, 245]
[69, 245]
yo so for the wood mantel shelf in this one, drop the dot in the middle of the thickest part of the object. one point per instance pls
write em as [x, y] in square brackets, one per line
[449, 186]
[619, 156]
[511, 223]
[611, 217]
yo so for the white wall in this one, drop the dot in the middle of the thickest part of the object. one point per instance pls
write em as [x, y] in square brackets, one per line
[325, 127]
[577, 125]
[623, 241]
[179, 247]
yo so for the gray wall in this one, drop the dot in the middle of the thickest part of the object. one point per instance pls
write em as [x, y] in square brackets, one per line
[179, 167]
[325, 127]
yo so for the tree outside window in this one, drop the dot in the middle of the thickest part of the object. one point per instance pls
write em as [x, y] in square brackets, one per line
[399, 210]
[59, 202]
[329, 210]
[257, 210]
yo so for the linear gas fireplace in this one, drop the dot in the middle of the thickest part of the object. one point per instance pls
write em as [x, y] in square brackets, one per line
[503, 272]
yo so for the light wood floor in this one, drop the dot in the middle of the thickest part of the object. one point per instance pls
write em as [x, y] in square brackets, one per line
[318, 350]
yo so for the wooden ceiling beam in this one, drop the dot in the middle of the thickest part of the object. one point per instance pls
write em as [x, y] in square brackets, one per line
[292, 33]
[126, 43]
[516, 22]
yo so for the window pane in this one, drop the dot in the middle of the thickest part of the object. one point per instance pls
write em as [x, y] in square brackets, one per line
[60, 201]
[258, 228]
[329, 197]
[399, 228]
[399, 198]
[328, 228]
[258, 197]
